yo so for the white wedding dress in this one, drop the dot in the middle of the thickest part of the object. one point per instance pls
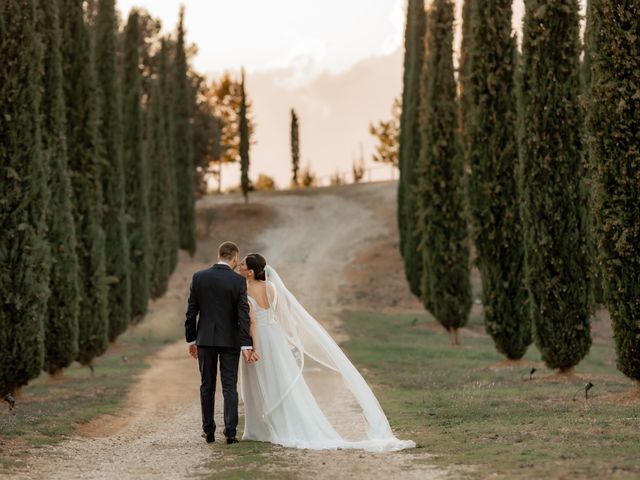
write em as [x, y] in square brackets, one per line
[304, 392]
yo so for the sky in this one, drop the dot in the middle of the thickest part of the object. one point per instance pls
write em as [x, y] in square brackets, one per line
[337, 62]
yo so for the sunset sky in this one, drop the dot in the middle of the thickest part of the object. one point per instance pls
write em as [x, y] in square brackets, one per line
[337, 62]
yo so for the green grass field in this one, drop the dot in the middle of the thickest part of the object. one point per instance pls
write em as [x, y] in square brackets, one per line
[455, 406]
[459, 409]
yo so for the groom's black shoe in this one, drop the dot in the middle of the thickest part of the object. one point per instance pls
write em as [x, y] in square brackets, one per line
[231, 440]
[209, 437]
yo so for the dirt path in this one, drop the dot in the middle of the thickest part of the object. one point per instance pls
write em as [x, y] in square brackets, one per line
[312, 240]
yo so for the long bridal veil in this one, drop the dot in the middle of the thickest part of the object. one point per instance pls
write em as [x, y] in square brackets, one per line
[342, 394]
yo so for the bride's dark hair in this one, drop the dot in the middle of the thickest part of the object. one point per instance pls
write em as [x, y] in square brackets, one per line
[257, 263]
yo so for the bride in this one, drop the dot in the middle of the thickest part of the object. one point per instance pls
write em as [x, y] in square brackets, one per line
[304, 392]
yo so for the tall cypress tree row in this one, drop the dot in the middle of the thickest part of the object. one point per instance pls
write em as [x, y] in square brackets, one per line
[117, 243]
[244, 143]
[446, 288]
[295, 148]
[136, 172]
[492, 154]
[85, 165]
[183, 145]
[159, 202]
[551, 182]
[167, 113]
[61, 321]
[410, 143]
[24, 257]
[613, 128]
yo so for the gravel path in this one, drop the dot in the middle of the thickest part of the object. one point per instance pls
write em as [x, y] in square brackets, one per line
[158, 434]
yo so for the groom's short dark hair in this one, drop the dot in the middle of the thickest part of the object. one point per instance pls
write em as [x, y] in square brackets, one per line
[228, 250]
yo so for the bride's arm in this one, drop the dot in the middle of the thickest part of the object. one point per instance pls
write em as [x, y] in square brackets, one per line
[252, 327]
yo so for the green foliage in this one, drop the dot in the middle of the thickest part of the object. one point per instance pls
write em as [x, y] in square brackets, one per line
[492, 156]
[295, 148]
[24, 260]
[613, 129]
[159, 202]
[244, 144]
[115, 227]
[446, 287]
[61, 321]
[136, 173]
[85, 165]
[167, 115]
[409, 149]
[554, 213]
[183, 145]
[387, 133]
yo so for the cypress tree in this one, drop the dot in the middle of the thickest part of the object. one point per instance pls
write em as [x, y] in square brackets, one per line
[597, 286]
[61, 321]
[117, 243]
[551, 182]
[85, 165]
[183, 145]
[295, 147]
[492, 155]
[410, 143]
[167, 114]
[136, 172]
[464, 75]
[23, 249]
[446, 288]
[244, 143]
[159, 202]
[613, 129]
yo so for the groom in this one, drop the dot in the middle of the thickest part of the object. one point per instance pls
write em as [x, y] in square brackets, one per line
[218, 299]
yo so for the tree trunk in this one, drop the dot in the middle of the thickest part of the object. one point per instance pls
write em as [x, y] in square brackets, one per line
[454, 337]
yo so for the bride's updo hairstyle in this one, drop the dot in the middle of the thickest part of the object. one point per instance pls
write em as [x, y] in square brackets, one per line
[257, 263]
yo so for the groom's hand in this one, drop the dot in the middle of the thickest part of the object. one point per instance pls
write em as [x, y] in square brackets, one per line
[247, 353]
[254, 357]
[193, 351]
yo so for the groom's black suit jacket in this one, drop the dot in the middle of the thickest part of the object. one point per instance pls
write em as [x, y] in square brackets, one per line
[218, 300]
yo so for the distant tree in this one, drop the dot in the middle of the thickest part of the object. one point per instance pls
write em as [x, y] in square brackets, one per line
[61, 321]
[183, 144]
[265, 183]
[388, 135]
[225, 97]
[446, 288]
[409, 149]
[137, 172]
[295, 147]
[551, 178]
[492, 158]
[24, 261]
[244, 144]
[160, 206]
[85, 165]
[358, 168]
[115, 227]
[308, 178]
[207, 133]
[614, 124]
[336, 179]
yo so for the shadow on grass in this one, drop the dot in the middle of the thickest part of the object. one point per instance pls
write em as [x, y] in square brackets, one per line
[454, 405]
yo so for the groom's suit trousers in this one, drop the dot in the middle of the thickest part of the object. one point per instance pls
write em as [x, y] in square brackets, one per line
[208, 362]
